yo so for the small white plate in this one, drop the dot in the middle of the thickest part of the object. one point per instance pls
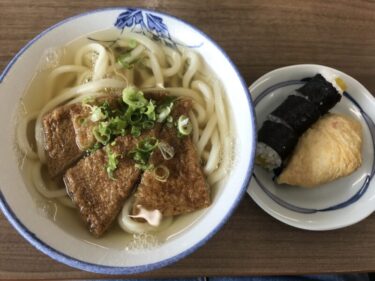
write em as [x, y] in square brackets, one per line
[333, 205]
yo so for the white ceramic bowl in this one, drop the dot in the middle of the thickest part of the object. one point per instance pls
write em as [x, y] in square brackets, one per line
[69, 242]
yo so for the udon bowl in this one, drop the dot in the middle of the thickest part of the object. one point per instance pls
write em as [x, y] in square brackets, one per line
[69, 242]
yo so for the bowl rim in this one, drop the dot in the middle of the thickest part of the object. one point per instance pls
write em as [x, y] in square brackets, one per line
[104, 269]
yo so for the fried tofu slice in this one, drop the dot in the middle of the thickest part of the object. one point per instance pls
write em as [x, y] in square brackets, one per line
[186, 189]
[59, 139]
[99, 197]
[68, 133]
[83, 126]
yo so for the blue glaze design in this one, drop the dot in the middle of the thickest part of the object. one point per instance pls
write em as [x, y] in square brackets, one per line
[362, 190]
[129, 18]
[97, 268]
[148, 24]
[156, 23]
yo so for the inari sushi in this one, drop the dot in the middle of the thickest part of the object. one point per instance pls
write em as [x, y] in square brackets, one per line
[279, 135]
[330, 149]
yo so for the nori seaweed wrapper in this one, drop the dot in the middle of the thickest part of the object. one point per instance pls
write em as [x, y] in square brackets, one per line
[298, 113]
[320, 92]
[279, 137]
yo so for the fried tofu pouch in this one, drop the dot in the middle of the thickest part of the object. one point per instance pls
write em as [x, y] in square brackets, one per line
[330, 149]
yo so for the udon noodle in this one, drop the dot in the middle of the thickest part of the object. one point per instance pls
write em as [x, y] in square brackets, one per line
[94, 71]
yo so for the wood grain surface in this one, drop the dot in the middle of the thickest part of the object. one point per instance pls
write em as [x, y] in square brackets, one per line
[259, 36]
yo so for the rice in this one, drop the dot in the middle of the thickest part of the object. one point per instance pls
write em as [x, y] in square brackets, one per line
[267, 157]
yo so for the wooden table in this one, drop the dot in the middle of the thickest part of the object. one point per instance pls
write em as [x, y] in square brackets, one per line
[259, 36]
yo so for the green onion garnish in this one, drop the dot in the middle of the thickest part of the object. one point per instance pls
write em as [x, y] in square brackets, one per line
[133, 97]
[166, 150]
[132, 116]
[148, 124]
[135, 131]
[102, 133]
[132, 43]
[150, 111]
[164, 109]
[142, 153]
[118, 126]
[184, 125]
[163, 113]
[135, 117]
[161, 173]
[148, 145]
[96, 114]
[124, 61]
[94, 148]
[112, 162]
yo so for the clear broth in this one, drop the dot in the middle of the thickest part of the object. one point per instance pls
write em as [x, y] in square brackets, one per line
[68, 219]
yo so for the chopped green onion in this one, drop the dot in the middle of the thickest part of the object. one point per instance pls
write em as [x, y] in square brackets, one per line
[169, 121]
[132, 43]
[118, 126]
[135, 117]
[148, 124]
[166, 150]
[135, 131]
[161, 173]
[163, 112]
[106, 108]
[165, 108]
[184, 125]
[112, 162]
[124, 61]
[141, 159]
[103, 128]
[133, 97]
[148, 145]
[96, 114]
[94, 148]
[144, 167]
[150, 111]
[142, 153]
[102, 133]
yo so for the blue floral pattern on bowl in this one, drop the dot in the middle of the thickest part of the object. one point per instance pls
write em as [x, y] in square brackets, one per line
[148, 24]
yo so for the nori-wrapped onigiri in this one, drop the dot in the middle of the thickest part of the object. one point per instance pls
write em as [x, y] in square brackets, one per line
[275, 143]
[297, 112]
[278, 136]
[320, 92]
